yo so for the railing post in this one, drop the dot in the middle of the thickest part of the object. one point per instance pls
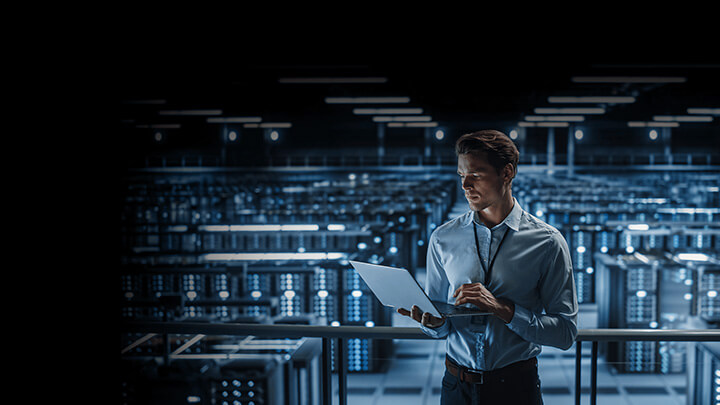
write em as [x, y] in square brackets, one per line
[593, 373]
[578, 368]
[342, 371]
[326, 371]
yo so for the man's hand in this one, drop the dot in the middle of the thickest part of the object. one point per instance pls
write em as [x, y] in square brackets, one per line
[481, 297]
[426, 319]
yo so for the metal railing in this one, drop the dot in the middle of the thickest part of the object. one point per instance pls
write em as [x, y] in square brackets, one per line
[327, 333]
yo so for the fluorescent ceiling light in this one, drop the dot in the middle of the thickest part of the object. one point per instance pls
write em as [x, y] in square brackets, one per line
[642, 257]
[653, 124]
[258, 228]
[698, 257]
[273, 256]
[569, 118]
[683, 118]
[569, 110]
[416, 118]
[710, 111]
[232, 120]
[544, 124]
[370, 111]
[190, 112]
[628, 79]
[638, 227]
[269, 125]
[553, 124]
[300, 227]
[590, 99]
[331, 80]
[366, 100]
[276, 125]
[412, 124]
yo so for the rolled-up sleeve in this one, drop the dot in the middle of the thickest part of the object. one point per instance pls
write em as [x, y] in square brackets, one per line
[557, 325]
[436, 286]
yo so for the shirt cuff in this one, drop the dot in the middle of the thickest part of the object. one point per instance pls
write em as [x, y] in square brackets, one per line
[521, 319]
[439, 332]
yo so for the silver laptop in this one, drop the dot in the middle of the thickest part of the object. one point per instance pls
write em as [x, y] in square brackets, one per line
[398, 288]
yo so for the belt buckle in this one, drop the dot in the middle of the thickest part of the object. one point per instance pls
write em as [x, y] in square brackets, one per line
[481, 374]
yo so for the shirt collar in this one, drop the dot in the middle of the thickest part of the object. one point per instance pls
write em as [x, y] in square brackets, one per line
[512, 220]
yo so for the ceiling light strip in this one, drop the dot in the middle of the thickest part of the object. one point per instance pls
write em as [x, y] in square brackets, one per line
[709, 111]
[591, 99]
[569, 110]
[544, 124]
[269, 125]
[332, 80]
[367, 100]
[412, 124]
[628, 79]
[567, 118]
[416, 118]
[683, 118]
[372, 111]
[652, 124]
[232, 120]
[273, 256]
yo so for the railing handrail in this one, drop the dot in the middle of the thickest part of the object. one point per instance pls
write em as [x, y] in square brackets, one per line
[392, 332]
[327, 333]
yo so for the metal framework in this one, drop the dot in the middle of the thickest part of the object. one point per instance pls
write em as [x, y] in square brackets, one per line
[327, 333]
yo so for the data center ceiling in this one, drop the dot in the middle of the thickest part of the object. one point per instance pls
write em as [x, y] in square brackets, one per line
[251, 95]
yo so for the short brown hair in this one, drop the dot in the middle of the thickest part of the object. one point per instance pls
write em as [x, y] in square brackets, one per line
[498, 147]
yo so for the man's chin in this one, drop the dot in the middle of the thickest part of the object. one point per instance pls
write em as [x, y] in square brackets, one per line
[475, 206]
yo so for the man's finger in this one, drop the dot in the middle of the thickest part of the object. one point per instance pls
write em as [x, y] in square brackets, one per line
[416, 313]
[431, 320]
[403, 311]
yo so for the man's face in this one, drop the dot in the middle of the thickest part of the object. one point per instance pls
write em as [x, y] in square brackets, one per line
[482, 184]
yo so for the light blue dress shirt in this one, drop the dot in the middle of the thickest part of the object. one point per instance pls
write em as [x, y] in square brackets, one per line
[533, 269]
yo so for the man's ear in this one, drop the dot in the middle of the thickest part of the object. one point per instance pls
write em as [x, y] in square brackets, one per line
[508, 172]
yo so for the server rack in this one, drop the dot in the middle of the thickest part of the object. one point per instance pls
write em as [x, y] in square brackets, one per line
[645, 291]
[704, 376]
[227, 371]
[198, 236]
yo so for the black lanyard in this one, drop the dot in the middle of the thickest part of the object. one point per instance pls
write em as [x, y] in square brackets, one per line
[492, 261]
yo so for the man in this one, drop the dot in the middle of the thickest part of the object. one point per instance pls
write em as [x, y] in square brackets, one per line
[501, 259]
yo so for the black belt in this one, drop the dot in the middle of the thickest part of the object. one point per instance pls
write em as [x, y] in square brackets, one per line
[479, 377]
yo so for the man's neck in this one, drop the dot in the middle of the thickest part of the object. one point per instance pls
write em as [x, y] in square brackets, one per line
[496, 213]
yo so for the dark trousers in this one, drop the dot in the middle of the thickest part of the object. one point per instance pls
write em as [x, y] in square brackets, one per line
[511, 387]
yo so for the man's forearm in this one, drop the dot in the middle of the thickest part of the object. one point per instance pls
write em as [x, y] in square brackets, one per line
[504, 309]
[545, 329]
